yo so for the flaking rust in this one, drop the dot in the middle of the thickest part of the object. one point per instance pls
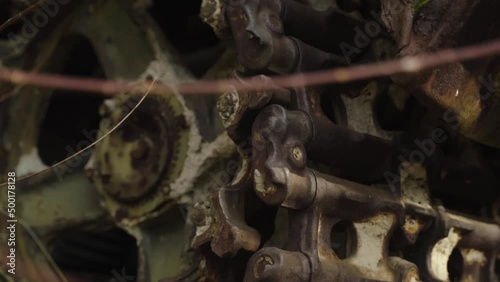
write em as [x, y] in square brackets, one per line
[327, 183]
[466, 93]
[327, 161]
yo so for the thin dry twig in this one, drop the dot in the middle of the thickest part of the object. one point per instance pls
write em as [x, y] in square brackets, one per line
[20, 15]
[332, 76]
[9, 94]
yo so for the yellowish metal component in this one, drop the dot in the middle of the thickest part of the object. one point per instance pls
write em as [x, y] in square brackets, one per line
[133, 166]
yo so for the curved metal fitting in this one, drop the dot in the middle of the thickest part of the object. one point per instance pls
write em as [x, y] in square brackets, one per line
[273, 264]
[222, 221]
[279, 157]
[259, 34]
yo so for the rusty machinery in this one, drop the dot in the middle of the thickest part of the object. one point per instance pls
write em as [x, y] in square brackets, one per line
[142, 176]
[391, 179]
[336, 166]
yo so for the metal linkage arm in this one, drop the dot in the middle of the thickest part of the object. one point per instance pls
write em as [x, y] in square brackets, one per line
[257, 28]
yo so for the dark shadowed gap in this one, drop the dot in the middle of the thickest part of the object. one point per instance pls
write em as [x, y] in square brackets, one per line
[455, 265]
[95, 253]
[392, 117]
[194, 40]
[71, 114]
[343, 239]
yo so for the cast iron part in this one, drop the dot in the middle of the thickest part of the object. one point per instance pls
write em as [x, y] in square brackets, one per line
[326, 173]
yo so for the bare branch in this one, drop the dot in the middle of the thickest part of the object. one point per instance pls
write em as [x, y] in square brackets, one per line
[339, 75]
[333, 76]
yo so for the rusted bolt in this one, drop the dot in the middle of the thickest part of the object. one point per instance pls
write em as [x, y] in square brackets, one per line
[297, 154]
[261, 264]
[271, 189]
[199, 214]
[228, 105]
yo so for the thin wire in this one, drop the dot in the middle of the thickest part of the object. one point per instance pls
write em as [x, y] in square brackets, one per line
[17, 17]
[93, 143]
[10, 93]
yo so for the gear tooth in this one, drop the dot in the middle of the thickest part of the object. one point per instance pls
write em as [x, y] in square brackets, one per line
[167, 119]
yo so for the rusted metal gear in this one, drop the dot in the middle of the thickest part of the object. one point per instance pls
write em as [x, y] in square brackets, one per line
[133, 166]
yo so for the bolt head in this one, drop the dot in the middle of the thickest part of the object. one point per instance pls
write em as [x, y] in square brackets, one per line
[297, 154]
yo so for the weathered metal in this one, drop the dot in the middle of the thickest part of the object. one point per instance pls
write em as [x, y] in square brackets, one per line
[396, 230]
[142, 173]
[258, 30]
[467, 93]
[133, 166]
[344, 183]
